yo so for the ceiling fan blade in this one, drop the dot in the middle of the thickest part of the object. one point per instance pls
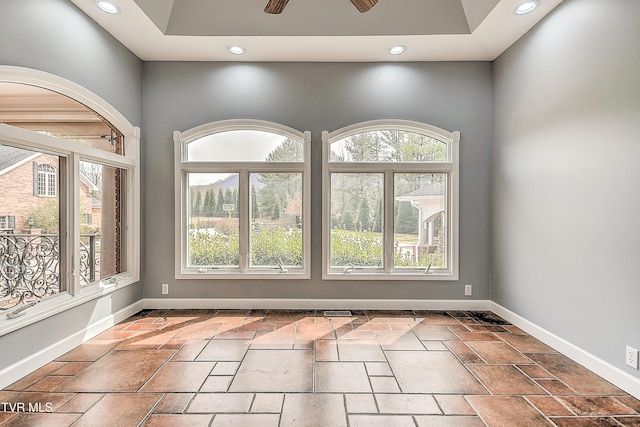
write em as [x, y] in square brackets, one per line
[276, 6]
[364, 5]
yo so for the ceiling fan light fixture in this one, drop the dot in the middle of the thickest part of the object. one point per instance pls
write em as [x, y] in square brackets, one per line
[107, 6]
[527, 7]
[236, 50]
[397, 50]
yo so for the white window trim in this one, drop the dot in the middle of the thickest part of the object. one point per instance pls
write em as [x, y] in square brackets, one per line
[451, 168]
[183, 166]
[75, 294]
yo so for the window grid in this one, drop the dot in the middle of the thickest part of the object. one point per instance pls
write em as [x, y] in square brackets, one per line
[64, 187]
[245, 170]
[333, 165]
[47, 182]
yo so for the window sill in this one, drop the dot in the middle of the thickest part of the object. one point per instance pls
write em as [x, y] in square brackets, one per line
[62, 302]
[396, 275]
[257, 274]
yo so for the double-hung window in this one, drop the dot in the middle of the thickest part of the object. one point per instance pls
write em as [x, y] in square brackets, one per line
[242, 201]
[390, 202]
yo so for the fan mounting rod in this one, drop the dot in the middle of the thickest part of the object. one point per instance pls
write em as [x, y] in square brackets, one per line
[275, 7]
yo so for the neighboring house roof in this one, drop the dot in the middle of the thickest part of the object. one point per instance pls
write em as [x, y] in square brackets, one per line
[86, 181]
[11, 157]
[437, 189]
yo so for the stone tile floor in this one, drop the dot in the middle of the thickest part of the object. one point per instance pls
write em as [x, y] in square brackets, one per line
[298, 368]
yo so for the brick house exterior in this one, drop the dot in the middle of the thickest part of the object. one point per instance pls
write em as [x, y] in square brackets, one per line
[22, 190]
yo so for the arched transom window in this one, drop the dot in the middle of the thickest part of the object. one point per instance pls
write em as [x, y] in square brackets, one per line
[390, 201]
[243, 200]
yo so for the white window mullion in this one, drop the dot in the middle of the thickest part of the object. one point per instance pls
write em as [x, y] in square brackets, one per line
[70, 224]
[243, 218]
[387, 229]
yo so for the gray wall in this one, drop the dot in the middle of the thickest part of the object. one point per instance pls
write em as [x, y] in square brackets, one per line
[56, 37]
[317, 97]
[566, 205]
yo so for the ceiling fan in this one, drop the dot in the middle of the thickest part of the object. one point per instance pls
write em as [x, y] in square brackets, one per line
[277, 6]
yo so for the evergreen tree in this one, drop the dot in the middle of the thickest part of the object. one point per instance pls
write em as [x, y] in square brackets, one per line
[289, 151]
[275, 213]
[207, 206]
[364, 223]
[220, 204]
[406, 220]
[197, 206]
[255, 210]
[228, 196]
[347, 220]
[377, 217]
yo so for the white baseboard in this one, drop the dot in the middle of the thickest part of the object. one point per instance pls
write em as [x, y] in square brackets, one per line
[20, 369]
[614, 375]
[309, 304]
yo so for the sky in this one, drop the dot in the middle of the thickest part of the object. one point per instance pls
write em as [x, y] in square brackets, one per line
[232, 146]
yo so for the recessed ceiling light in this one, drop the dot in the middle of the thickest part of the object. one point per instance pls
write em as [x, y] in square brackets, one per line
[526, 7]
[107, 6]
[397, 50]
[236, 50]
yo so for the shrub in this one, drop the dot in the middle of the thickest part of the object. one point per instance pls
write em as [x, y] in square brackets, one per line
[355, 248]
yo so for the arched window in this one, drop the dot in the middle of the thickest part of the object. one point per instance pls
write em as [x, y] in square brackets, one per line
[46, 181]
[242, 200]
[390, 201]
[66, 155]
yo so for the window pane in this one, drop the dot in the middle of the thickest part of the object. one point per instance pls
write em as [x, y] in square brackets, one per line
[276, 219]
[356, 219]
[57, 115]
[47, 180]
[388, 146]
[245, 146]
[30, 227]
[213, 219]
[101, 222]
[419, 220]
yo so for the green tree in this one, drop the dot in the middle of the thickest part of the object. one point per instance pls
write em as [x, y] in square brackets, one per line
[347, 220]
[197, 206]
[46, 215]
[236, 202]
[278, 192]
[220, 204]
[288, 151]
[275, 211]
[207, 209]
[366, 147]
[377, 217]
[364, 222]
[255, 210]
[406, 220]
[414, 147]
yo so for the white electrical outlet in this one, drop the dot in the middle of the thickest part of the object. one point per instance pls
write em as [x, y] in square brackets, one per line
[468, 289]
[165, 288]
[631, 357]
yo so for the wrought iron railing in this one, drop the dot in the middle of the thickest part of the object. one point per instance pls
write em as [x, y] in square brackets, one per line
[30, 266]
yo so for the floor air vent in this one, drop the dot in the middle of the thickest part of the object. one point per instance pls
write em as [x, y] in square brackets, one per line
[341, 313]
